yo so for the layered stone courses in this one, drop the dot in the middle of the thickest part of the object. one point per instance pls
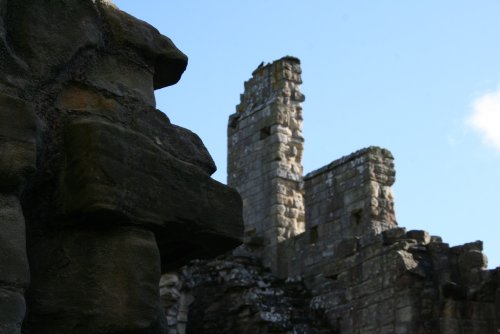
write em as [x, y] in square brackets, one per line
[265, 148]
[354, 193]
[99, 193]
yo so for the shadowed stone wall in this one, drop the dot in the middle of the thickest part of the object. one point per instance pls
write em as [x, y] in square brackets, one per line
[99, 193]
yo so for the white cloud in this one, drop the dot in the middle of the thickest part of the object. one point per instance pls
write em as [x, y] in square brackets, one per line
[485, 118]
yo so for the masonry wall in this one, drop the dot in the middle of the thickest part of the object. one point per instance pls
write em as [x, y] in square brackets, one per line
[348, 203]
[364, 273]
[367, 275]
[356, 284]
[348, 268]
[265, 147]
[352, 196]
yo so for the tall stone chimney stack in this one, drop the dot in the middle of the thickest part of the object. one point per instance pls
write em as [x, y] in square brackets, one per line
[265, 148]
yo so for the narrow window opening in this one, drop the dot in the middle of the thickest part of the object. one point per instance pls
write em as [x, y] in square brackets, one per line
[265, 132]
[334, 277]
[313, 235]
[356, 217]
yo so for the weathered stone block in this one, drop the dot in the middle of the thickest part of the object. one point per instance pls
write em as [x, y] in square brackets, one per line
[470, 246]
[86, 102]
[473, 259]
[123, 77]
[346, 247]
[13, 259]
[95, 280]
[48, 34]
[12, 311]
[127, 31]
[393, 235]
[108, 180]
[81, 99]
[422, 237]
[17, 143]
[14, 71]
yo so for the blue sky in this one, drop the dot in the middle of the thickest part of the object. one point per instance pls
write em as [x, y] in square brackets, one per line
[420, 78]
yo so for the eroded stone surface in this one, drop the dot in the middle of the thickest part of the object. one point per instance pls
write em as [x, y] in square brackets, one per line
[17, 143]
[12, 311]
[109, 192]
[15, 270]
[103, 280]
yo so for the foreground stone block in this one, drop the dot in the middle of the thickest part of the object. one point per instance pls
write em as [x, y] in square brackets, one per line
[12, 310]
[118, 176]
[127, 31]
[83, 100]
[14, 269]
[46, 35]
[103, 280]
[112, 193]
[17, 143]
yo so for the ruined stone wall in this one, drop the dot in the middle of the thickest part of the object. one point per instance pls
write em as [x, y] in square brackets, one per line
[265, 147]
[363, 273]
[348, 202]
[352, 196]
[355, 270]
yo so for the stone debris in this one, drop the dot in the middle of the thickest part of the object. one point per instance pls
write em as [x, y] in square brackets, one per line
[237, 295]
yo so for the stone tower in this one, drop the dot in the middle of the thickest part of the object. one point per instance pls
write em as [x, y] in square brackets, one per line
[265, 147]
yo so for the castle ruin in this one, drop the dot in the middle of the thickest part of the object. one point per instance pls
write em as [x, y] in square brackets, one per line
[338, 261]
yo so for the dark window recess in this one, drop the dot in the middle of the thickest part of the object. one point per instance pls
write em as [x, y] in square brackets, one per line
[356, 217]
[233, 122]
[265, 132]
[333, 277]
[313, 235]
